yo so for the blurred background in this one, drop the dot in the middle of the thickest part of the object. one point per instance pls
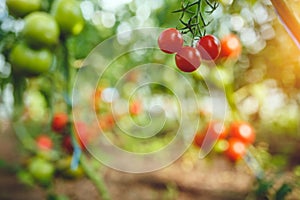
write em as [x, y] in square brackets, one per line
[261, 85]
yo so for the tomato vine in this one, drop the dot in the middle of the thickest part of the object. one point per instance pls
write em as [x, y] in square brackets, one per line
[193, 17]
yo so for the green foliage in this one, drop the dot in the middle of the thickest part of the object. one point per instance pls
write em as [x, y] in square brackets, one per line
[263, 188]
[283, 191]
[81, 45]
[26, 178]
[193, 17]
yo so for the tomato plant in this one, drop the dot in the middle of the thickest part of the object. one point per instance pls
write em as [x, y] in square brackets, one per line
[236, 149]
[41, 29]
[22, 7]
[59, 122]
[209, 47]
[231, 47]
[170, 41]
[188, 59]
[44, 142]
[243, 131]
[30, 61]
[54, 29]
[68, 15]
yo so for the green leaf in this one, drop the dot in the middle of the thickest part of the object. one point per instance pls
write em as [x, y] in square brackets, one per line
[20, 84]
[81, 45]
[263, 188]
[25, 178]
[283, 191]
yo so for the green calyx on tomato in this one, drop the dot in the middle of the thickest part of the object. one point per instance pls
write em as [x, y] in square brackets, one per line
[20, 8]
[68, 15]
[41, 29]
[30, 61]
[41, 170]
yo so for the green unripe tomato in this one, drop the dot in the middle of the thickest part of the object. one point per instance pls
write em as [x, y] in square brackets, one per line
[20, 8]
[41, 29]
[41, 170]
[68, 15]
[30, 61]
[221, 146]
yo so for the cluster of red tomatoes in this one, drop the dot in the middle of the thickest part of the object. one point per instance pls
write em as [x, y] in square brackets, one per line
[33, 54]
[45, 164]
[234, 139]
[106, 118]
[208, 48]
[61, 125]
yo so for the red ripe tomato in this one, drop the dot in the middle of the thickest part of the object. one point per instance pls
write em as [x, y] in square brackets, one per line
[44, 142]
[243, 131]
[170, 41]
[188, 59]
[82, 134]
[198, 139]
[209, 47]
[59, 122]
[214, 131]
[106, 122]
[231, 47]
[217, 130]
[67, 144]
[135, 108]
[236, 149]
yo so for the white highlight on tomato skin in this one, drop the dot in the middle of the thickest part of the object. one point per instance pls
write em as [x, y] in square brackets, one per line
[245, 130]
[239, 147]
[218, 128]
[233, 43]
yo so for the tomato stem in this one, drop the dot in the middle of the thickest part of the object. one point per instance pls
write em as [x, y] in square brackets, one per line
[96, 178]
[196, 23]
[231, 102]
[78, 156]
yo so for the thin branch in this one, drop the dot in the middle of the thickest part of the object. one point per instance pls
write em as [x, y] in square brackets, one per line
[196, 24]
